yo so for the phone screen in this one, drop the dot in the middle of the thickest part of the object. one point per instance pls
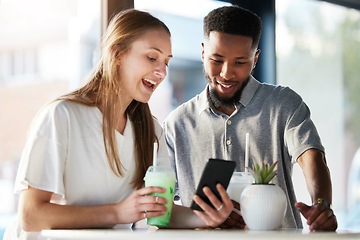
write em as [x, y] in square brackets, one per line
[216, 171]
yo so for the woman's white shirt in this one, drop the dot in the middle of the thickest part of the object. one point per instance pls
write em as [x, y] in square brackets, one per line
[65, 154]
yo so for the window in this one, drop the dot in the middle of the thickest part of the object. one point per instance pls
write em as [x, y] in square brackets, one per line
[46, 49]
[318, 52]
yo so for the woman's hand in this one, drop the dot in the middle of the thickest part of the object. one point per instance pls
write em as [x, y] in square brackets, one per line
[140, 205]
[213, 217]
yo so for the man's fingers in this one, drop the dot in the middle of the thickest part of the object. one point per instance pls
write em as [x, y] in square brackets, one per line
[325, 221]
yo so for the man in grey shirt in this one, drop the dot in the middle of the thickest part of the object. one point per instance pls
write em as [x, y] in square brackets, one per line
[213, 124]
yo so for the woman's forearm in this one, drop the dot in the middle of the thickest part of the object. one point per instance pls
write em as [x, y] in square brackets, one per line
[36, 217]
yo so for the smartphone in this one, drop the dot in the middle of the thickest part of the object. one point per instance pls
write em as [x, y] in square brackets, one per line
[216, 171]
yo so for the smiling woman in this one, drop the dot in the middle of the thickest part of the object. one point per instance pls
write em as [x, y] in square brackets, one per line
[106, 125]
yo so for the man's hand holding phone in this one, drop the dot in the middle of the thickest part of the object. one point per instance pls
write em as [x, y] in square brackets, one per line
[219, 209]
[211, 201]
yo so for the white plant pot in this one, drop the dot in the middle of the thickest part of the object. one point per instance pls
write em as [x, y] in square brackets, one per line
[263, 206]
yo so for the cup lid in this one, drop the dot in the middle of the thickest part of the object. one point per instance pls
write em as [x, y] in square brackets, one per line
[161, 171]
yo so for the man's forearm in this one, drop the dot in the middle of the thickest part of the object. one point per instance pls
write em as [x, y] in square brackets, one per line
[317, 175]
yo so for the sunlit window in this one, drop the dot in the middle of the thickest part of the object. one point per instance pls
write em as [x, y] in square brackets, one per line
[318, 53]
[46, 49]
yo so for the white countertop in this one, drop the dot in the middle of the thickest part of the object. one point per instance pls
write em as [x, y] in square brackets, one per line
[108, 234]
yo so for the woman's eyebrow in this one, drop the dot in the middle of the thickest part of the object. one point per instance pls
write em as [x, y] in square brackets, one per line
[157, 49]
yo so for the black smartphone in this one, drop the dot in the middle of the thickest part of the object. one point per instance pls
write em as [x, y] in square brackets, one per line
[216, 171]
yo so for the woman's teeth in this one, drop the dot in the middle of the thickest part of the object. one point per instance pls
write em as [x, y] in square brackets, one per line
[150, 81]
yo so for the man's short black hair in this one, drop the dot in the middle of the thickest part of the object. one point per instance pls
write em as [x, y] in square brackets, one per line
[233, 20]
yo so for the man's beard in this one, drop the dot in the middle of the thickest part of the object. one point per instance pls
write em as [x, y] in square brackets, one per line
[219, 101]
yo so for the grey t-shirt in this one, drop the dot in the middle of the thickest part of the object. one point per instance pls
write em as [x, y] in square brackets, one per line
[280, 129]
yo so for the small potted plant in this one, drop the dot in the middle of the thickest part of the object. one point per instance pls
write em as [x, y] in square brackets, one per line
[263, 204]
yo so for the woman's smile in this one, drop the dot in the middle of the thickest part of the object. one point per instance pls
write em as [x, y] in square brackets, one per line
[149, 84]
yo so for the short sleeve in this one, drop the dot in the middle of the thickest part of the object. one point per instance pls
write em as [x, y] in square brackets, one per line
[301, 133]
[44, 156]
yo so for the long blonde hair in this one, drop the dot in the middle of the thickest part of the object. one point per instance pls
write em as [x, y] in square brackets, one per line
[102, 91]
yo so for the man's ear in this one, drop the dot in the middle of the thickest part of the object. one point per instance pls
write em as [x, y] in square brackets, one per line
[257, 53]
[202, 52]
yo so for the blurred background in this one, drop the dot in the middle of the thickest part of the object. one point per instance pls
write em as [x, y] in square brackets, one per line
[47, 48]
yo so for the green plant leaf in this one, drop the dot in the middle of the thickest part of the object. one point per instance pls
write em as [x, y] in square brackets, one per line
[263, 172]
[255, 175]
[269, 177]
[272, 167]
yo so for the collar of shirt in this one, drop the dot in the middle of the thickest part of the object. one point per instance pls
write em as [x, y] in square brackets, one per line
[246, 96]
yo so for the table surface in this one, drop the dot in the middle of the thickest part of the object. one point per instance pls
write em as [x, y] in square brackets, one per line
[153, 234]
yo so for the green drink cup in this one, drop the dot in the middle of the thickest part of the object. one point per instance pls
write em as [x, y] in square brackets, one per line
[164, 177]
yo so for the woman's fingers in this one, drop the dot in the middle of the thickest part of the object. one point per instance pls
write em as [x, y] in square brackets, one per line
[145, 204]
[150, 190]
